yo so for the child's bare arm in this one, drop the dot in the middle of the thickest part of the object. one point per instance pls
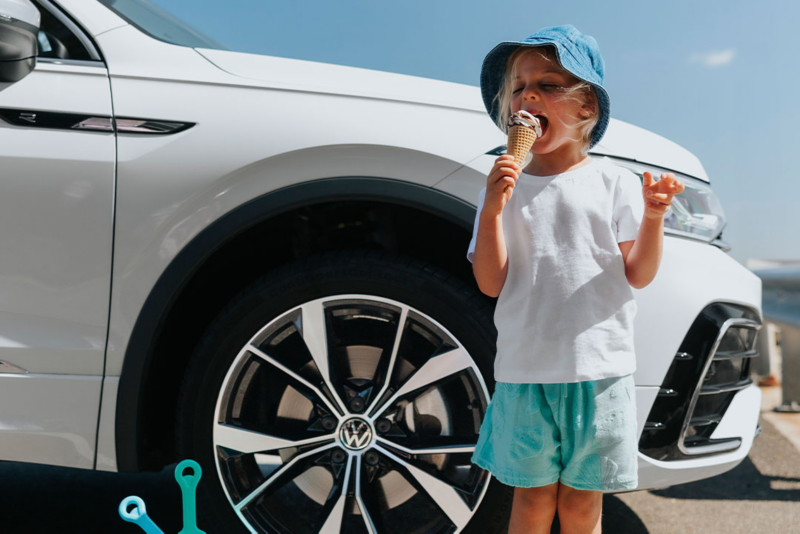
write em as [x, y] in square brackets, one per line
[490, 260]
[644, 257]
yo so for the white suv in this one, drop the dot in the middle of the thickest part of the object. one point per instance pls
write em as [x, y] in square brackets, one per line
[259, 263]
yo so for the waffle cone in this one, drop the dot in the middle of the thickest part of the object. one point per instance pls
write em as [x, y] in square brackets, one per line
[520, 141]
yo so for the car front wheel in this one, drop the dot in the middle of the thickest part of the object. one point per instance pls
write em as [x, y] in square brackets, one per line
[344, 393]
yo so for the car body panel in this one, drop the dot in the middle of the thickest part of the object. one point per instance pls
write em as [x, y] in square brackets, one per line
[57, 220]
[57, 215]
[49, 419]
[106, 445]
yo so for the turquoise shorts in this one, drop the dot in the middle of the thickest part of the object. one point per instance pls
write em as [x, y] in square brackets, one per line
[582, 433]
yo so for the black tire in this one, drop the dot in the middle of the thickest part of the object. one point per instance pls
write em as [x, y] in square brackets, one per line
[454, 304]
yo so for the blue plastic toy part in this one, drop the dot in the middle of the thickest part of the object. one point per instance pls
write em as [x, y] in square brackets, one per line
[188, 484]
[138, 515]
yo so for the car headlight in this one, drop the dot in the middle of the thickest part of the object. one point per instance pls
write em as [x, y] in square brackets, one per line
[695, 213]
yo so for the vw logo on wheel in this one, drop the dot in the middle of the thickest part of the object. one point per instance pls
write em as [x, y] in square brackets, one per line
[355, 434]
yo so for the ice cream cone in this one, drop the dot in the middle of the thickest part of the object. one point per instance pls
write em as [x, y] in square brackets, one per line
[523, 131]
[520, 141]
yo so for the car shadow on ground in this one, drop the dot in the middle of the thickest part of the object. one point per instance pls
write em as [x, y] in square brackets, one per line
[617, 517]
[744, 483]
[43, 498]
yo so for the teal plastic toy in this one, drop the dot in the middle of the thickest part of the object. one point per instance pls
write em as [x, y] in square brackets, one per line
[138, 515]
[188, 485]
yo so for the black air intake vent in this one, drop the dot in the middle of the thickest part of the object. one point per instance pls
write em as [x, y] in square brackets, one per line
[711, 366]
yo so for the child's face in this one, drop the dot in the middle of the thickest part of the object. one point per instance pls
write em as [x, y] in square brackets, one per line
[535, 90]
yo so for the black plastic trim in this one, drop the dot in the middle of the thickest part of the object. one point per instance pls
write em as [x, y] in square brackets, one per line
[67, 20]
[685, 377]
[166, 291]
[55, 120]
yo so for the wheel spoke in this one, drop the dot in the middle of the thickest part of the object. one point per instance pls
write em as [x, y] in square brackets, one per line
[274, 476]
[333, 524]
[249, 441]
[269, 359]
[447, 449]
[364, 513]
[443, 494]
[390, 368]
[434, 369]
[315, 336]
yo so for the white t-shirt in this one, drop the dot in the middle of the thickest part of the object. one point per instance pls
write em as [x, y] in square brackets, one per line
[566, 310]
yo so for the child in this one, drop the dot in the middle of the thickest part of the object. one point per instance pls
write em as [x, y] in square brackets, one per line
[561, 255]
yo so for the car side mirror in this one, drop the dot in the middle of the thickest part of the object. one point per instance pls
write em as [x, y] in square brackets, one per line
[19, 45]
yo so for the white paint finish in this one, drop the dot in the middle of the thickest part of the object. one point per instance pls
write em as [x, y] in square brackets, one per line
[49, 419]
[22, 10]
[131, 53]
[300, 75]
[93, 16]
[747, 404]
[740, 420]
[106, 448]
[55, 225]
[625, 140]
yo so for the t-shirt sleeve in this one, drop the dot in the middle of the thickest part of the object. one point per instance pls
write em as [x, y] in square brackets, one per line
[471, 250]
[629, 206]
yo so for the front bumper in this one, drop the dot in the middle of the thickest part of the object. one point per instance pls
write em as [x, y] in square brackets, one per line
[704, 416]
[740, 421]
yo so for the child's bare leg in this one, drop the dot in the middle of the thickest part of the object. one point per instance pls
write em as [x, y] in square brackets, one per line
[579, 511]
[533, 510]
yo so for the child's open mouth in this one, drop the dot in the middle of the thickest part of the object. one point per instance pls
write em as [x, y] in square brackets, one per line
[543, 122]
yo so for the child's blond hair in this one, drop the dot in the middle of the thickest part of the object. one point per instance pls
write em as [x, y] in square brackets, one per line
[580, 91]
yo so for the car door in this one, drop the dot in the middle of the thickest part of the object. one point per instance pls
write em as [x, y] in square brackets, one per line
[57, 165]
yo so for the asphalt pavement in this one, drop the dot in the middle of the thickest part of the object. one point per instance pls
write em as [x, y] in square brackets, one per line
[761, 494]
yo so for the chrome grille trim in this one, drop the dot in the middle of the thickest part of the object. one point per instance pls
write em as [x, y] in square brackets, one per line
[734, 443]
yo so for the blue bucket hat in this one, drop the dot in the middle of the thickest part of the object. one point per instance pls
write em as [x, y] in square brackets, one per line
[577, 53]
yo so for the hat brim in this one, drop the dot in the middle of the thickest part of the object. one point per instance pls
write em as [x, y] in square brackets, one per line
[494, 68]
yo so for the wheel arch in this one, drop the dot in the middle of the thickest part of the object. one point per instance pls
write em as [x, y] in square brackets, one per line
[140, 421]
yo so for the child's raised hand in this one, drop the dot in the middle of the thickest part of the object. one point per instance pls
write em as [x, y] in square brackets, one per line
[500, 184]
[658, 195]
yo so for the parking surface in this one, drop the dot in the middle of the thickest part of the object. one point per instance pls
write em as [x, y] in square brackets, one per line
[762, 494]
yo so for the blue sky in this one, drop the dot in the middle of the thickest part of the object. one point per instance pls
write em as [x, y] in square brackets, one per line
[717, 77]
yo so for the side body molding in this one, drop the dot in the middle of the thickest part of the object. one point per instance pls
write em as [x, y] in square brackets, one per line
[139, 353]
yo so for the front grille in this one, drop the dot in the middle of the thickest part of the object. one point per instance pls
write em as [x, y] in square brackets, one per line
[711, 366]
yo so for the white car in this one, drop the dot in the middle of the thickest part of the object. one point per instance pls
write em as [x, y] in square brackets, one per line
[260, 264]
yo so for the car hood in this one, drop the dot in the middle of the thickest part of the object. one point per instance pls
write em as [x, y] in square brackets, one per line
[622, 139]
[301, 75]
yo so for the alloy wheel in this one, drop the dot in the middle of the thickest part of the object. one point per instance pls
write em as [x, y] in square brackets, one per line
[351, 413]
